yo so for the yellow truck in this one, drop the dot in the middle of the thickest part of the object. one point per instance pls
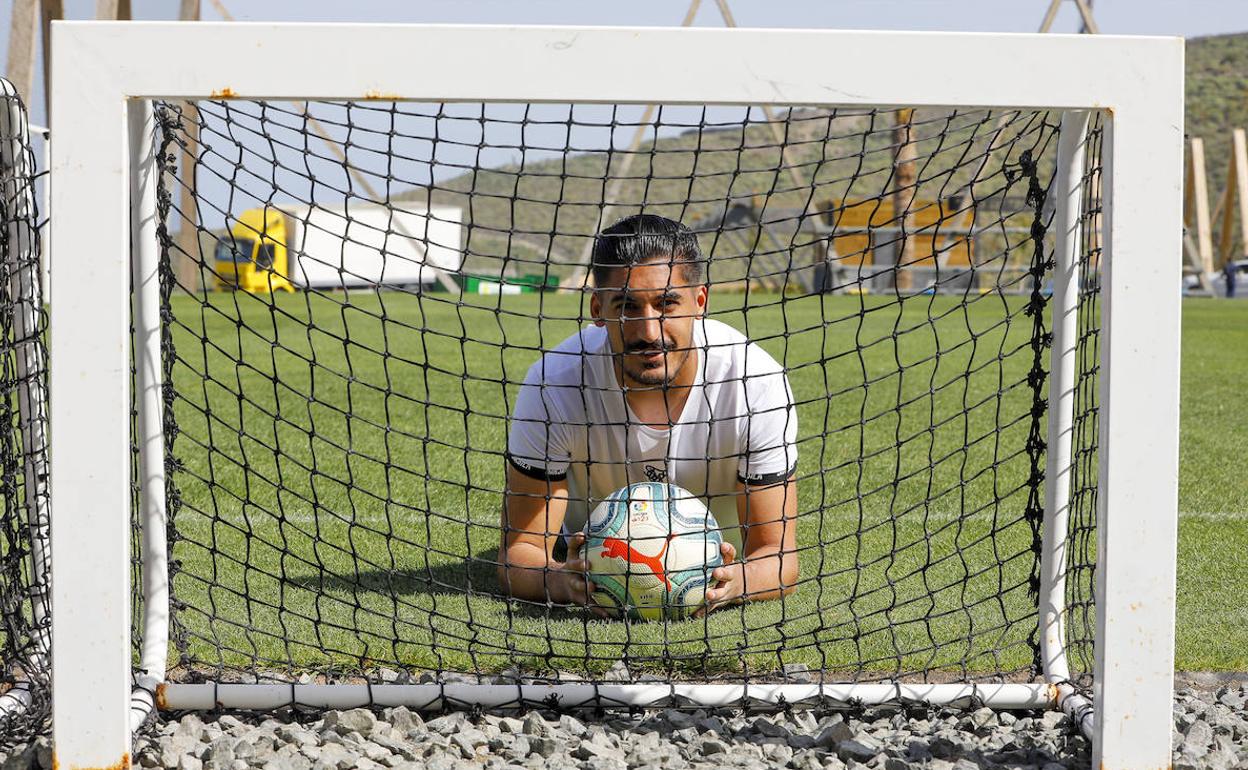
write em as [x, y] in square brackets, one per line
[326, 247]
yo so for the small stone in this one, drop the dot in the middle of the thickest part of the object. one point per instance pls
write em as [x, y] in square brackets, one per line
[339, 756]
[1185, 761]
[1052, 719]
[679, 720]
[534, 725]
[468, 741]
[356, 720]
[589, 749]
[244, 749]
[440, 762]
[862, 748]
[191, 726]
[896, 763]
[778, 755]
[764, 726]
[403, 720]
[1199, 734]
[571, 725]
[800, 741]
[710, 747]
[511, 725]
[710, 725]
[188, 762]
[174, 747]
[219, 752]
[541, 745]
[519, 748]
[981, 718]
[835, 733]
[1007, 719]
[230, 723]
[806, 760]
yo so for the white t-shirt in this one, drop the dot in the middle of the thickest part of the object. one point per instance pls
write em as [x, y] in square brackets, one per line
[739, 423]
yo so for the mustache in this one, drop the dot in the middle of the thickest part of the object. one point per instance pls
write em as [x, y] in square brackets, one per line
[658, 346]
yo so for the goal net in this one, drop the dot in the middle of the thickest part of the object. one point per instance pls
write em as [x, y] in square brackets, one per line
[354, 293]
[24, 632]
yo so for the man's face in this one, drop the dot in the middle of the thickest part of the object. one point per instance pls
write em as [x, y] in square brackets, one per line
[649, 310]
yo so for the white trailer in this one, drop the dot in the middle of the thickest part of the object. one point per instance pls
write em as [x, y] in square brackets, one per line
[369, 245]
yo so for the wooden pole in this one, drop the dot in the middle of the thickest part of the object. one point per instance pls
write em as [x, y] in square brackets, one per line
[187, 268]
[1196, 205]
[112, 10]
[904, 183]
[1088, 25]
[1236, 188]
[53, 10]
[1050, 15]
[1087, 22]
[23, 26]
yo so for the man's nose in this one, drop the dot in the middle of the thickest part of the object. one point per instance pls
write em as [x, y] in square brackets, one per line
[648, 325]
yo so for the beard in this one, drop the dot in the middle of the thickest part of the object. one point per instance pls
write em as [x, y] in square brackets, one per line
[659, 371]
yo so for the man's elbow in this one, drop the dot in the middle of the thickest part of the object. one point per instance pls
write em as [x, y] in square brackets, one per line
[789, 573]
[504, 574]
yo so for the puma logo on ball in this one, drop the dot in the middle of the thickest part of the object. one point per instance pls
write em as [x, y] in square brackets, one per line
[615, 548]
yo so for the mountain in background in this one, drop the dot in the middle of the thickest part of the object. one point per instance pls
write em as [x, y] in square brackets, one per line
[1217, 98]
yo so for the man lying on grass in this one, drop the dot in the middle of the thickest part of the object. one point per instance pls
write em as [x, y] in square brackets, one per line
[653, 391]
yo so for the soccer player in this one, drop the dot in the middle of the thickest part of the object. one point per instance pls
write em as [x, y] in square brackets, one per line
[652, 391]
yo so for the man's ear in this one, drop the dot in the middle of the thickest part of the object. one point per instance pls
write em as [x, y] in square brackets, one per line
[700, 297]
[595, 309]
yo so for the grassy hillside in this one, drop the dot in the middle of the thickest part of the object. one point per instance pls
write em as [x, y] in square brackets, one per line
[533, 216]
[1217, 96]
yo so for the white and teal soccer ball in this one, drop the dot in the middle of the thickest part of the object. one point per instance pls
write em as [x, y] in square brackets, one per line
[651, 548]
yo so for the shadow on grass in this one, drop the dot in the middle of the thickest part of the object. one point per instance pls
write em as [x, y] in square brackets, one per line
[475, 577]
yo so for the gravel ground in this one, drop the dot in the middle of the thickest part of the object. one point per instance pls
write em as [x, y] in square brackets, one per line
[1211, 731]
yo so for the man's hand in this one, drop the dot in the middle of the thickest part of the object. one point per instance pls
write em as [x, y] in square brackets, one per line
[569, 583]
[729, 582]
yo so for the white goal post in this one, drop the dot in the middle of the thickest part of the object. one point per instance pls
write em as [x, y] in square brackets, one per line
[105, 74]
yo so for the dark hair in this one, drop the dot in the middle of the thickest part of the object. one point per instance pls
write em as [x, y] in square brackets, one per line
[644, 238]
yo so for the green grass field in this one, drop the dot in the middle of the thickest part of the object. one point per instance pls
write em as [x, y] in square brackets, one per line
[347, 513]
[1212, 624]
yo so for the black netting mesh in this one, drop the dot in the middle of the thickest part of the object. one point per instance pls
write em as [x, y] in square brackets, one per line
[24, 629]
[340, 449]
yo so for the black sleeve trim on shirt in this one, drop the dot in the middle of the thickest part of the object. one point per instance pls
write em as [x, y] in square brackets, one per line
[767, 479]
[533, 471]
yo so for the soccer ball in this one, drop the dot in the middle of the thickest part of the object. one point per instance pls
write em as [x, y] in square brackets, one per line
[651, 548]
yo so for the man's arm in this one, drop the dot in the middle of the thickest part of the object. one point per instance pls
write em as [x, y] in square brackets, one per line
[533, 511]
[768, 569]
